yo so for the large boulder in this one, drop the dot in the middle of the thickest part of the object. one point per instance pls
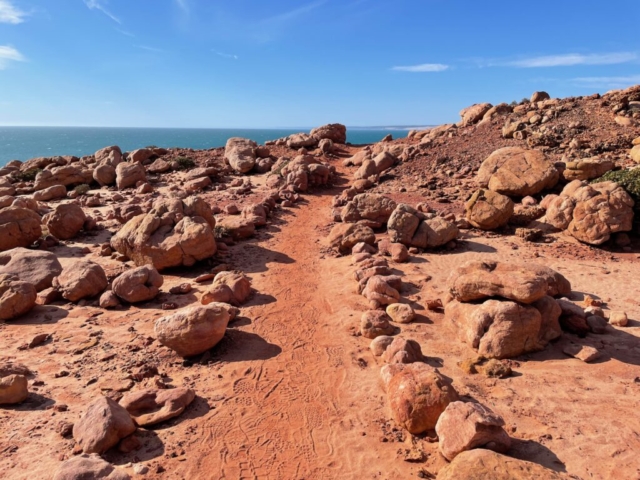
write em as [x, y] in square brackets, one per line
[174, 233]
[148, 407]
[241, 154]
[368, 206]
[403, 223]
[36, 267]
[474, 113]
[375, 323]
[66, 175]
[138, 284]
[481, 464]
[102, 426]
[128, 174]
[301, 140]
[19, 227]
[228, 287]
[13, 389]
[505, 329]
[345, 236]
[477, 280]
[403, 350]
[335, 132]
[591, 213]
[52, 193]
[65, 221]
[488, 210]
[109, 156]
[105, 175]
[141, 155]
[371, 169]
[89, 467]
[379, 291]
[237, 227]
[193, 330]
[517, 171]
[587, 168]
[16, 297]
[418, 394]
[81, 279]
[465, 426]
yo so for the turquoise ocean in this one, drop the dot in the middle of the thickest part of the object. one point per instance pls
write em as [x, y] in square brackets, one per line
[23, 143]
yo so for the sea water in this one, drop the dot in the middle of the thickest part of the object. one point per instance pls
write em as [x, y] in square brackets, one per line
[23, 143]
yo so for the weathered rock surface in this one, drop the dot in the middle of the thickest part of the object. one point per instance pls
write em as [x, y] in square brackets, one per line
[89, 467]
[400, 312]
[369, 206]
[488, 210]
[81, 279]
[474, 113]
[13, 389]
[587, 168]
[345, 235]
[128, 174]
[16, 297]
[375, 323]
[241, 154]
[102, 426]
[335, 132]
[379, 290]
[19, 227]
[66, 175]
[32, 266]
[193, 330]
[416, 229]
[403, 350]
[481, 464]
[418, 394]
[465, 426]
[173, 233]
[52, 193]
[65, 221]
[228, 287]
[148, 407]
[138, 284]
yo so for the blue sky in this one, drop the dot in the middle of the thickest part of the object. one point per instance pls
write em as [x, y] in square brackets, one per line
[285, 63]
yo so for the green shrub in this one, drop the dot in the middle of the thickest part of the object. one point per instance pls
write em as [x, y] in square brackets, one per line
[82, 189]
[628, 179]
[27, 175]
[185, 163]
[220, 232]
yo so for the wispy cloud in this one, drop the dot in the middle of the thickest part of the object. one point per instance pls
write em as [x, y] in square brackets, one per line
[99, 5]
[183, 4]
[607, 82]
[124, 32]
[150, 49]
[424, 67]
[9, 13]
[225, 55]
[566, 60]
[293, 14]
[9, 54]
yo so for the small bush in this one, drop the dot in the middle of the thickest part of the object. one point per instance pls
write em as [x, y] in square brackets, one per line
[151, 147]
[525, 100]
[220, 232]
[627, 179]
[27, 175]
[82, 189]
[185, 163]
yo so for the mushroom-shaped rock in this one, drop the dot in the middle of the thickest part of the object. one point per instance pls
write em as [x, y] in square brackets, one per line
[102, 426]
[148, 407]
[476, 280]
[89, 467]
[346, 235]
[488, 210]
[36, 267]
[517, 171]
[65, 221]
[241, 154]
[16, 297]
[193, 330]
[128, 174]
[228, 287]
[481, 464]
[174, 233]
[418, 394]
[81, 279]
[465, 426]
[13, 389]
[138, 284]
[19, 227]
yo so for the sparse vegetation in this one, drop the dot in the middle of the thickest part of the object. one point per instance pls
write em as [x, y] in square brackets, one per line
[219, 232]
[628, 179]
[82, 189]
[185, 163]
[27, 175]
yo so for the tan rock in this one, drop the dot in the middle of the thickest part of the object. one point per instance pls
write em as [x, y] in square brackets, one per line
[345, 235]
[85, 467]
[587, 168]
[403, 350]
[635, 153]
[13, 389]
[465, 426]
[81, 279]
[335, 132]
[379, 291]
[488, 210]
[236, 227]
[16, 297]
[128, 174]
[148, 407]
[474, 113]
[400, 312]
[228, 287]
[66, 175]
[193, 330]
[19, 227]
[619, 319]
[481, 464]
[375, 323]
[376, 208]
[102, 426]
[36, 267]
[379, 344]
[403, 223]
[52, 193]
[138, 284]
